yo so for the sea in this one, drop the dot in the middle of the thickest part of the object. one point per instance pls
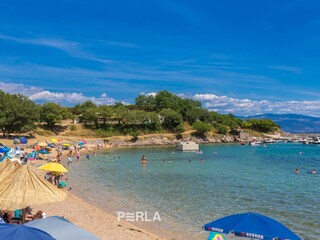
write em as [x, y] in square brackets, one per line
[187, 190]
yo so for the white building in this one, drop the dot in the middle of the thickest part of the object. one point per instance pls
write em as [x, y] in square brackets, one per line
[187, 146]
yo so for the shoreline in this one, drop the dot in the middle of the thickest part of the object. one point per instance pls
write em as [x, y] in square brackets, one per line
[81, 211]
[100, 221]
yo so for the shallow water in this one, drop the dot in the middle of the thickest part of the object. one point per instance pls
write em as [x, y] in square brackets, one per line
[231, 179]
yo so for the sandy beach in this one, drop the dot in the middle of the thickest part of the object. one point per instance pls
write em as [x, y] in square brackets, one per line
[97, 221]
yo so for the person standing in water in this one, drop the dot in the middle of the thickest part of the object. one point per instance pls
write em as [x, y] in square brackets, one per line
[143, 160]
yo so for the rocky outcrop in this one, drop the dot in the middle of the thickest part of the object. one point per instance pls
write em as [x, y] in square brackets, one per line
[159, 140]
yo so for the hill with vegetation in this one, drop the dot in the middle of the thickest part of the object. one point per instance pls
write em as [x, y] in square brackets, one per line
[292, 123]
[161, 113]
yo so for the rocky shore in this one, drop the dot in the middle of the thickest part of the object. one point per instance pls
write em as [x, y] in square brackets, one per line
[170, 140]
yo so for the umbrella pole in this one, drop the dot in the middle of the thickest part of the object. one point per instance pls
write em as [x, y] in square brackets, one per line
[23, 216]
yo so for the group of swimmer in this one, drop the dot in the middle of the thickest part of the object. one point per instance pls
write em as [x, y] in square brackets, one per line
[313, 171]
[143, 160]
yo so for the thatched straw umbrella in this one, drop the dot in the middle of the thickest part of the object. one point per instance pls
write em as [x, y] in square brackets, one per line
[8, 169]
[24, 188]
[4, 163]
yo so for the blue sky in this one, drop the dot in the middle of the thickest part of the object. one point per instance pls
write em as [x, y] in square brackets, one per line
[241, 56]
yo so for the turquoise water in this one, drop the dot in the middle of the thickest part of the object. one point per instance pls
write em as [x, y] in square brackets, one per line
[231, 179]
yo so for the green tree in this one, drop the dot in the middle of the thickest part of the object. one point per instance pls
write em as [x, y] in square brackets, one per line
[263, 125]
[17, 113]
[201, 127]
[146, 103]
[167, 100]
[135, 117]
[89, 116]
[152, 121]
[171, 119]
[80, 108]
[120, 112]
[52, 114]
[105, 113]
[220, 128]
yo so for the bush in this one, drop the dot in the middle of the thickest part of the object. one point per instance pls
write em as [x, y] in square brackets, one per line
[221, 129]
[134, 135]
[201, 127]
[73, 128]
[179, 136]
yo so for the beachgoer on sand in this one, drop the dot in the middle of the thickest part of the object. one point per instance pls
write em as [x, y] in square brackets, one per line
[78, 157]
[69, 160]
[57, 176]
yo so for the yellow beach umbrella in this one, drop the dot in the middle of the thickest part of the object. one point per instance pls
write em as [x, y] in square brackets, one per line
[25, 188]
[54, 140]
[66, 144]
[53, 167]
[42, 144]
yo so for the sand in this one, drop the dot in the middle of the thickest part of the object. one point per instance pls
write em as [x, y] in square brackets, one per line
[95, 220]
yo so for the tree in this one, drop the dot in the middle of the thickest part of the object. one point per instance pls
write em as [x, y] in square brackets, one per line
[120, 112]
[167, 100]
[201, 127]
[135, 117]
[222, 129]
[171, 119]
[146, 103]
[262, 125]
[17, 113]
[105, 113]
[152, 121]
[90, 115]
[80, 108]
[52, 114]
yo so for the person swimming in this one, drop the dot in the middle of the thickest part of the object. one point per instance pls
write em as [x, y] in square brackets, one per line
[143, 160]
[297, 170]
[313, 171]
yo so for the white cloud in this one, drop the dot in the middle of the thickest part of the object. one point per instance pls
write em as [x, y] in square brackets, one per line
[42, 95]
[291, 69]
[151, 94]
[72, 48]
[247, 107]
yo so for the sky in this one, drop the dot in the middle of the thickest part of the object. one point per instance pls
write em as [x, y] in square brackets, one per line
[242, 56]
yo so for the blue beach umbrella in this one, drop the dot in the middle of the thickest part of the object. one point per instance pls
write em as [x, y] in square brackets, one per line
[23, 140]
[61, 229]
[43, 151]
[4, 150]
[251, 225]
[21, 232]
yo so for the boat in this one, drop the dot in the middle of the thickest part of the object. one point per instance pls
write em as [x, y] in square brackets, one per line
[255, 143]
